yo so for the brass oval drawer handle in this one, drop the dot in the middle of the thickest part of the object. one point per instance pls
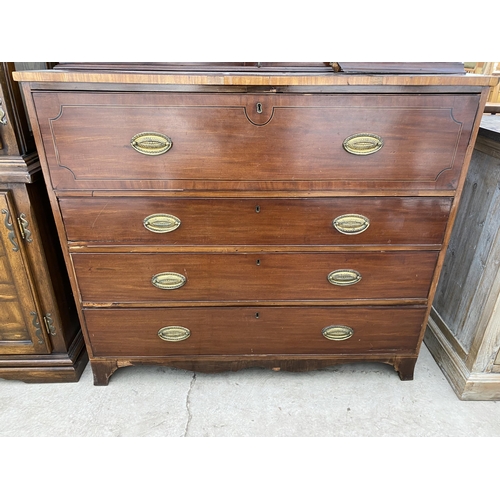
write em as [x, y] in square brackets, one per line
[363, 144]
[151, 143]
[168, 281]
[173, 333]
[337, 332]
[344, 277]
[161, 223]
[351, 223]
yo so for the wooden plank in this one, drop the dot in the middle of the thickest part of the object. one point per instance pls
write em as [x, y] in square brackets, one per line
[447, 358]
[248, 79]
[488, 146]
[477, 221]
[486, 336]
[445, 331]
[402, 68]
[466, 340]
[468, 386]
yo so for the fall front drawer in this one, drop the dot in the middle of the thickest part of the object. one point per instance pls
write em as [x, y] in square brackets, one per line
[252, 330]
[255, 221]
[125, 140]
[135, 278]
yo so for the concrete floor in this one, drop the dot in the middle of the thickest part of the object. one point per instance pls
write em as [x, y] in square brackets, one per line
[346, 400]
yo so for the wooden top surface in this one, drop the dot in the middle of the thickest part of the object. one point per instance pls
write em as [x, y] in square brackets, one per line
[270, 79]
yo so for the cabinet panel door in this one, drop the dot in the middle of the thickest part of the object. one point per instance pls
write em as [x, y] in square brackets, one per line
[21, 323]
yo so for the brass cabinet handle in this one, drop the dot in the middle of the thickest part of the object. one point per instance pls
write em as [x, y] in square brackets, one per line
[351, 223]
[173, 333]
[168, 281]
[344, 277]
[151, 143]
[363, 144]
[337, 332]
[3, 116]
[161, 223]
[23, 227]
[10, 227]
[49, 324]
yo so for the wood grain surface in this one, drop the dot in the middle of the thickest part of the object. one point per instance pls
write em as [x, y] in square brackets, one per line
[220, 138]
[253, 330]
[256, 221]
[257, 277]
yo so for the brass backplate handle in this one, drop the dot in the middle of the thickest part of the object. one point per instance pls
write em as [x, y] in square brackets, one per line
[344, 277]
[351, 223]
[161, 223]
[168, 280]
[151, 143]
[3, 116]
[173, 333]
[38, 329]
[23, 227]
[363, 144]
[10, 227]
[337, 332]
[49, 324]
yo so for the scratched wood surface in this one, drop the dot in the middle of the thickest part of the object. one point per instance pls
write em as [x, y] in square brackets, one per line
[471, 261]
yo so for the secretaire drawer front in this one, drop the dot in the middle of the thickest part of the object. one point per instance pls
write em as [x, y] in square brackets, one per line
[110, 277]
[147, 140]
[265, 221]
[250, 331]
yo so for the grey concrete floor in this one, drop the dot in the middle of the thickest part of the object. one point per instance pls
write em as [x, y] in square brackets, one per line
[347, 400]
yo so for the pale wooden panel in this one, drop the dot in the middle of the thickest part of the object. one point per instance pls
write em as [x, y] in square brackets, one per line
[13, 326]
[484, 268]
[4, 271]
[159, 78]
[466, 279]
[486, 313]
[7, 292]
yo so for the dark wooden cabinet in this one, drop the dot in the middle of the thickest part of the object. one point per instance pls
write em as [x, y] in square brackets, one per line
[40, 335]
[22, 314]
[220, 218]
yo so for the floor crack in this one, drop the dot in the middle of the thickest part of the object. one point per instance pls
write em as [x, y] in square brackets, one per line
[188, 405]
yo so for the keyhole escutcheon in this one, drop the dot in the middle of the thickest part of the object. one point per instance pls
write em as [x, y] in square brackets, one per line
[259, 107]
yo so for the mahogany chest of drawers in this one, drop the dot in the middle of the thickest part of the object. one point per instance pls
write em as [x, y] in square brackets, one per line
[217, 221]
